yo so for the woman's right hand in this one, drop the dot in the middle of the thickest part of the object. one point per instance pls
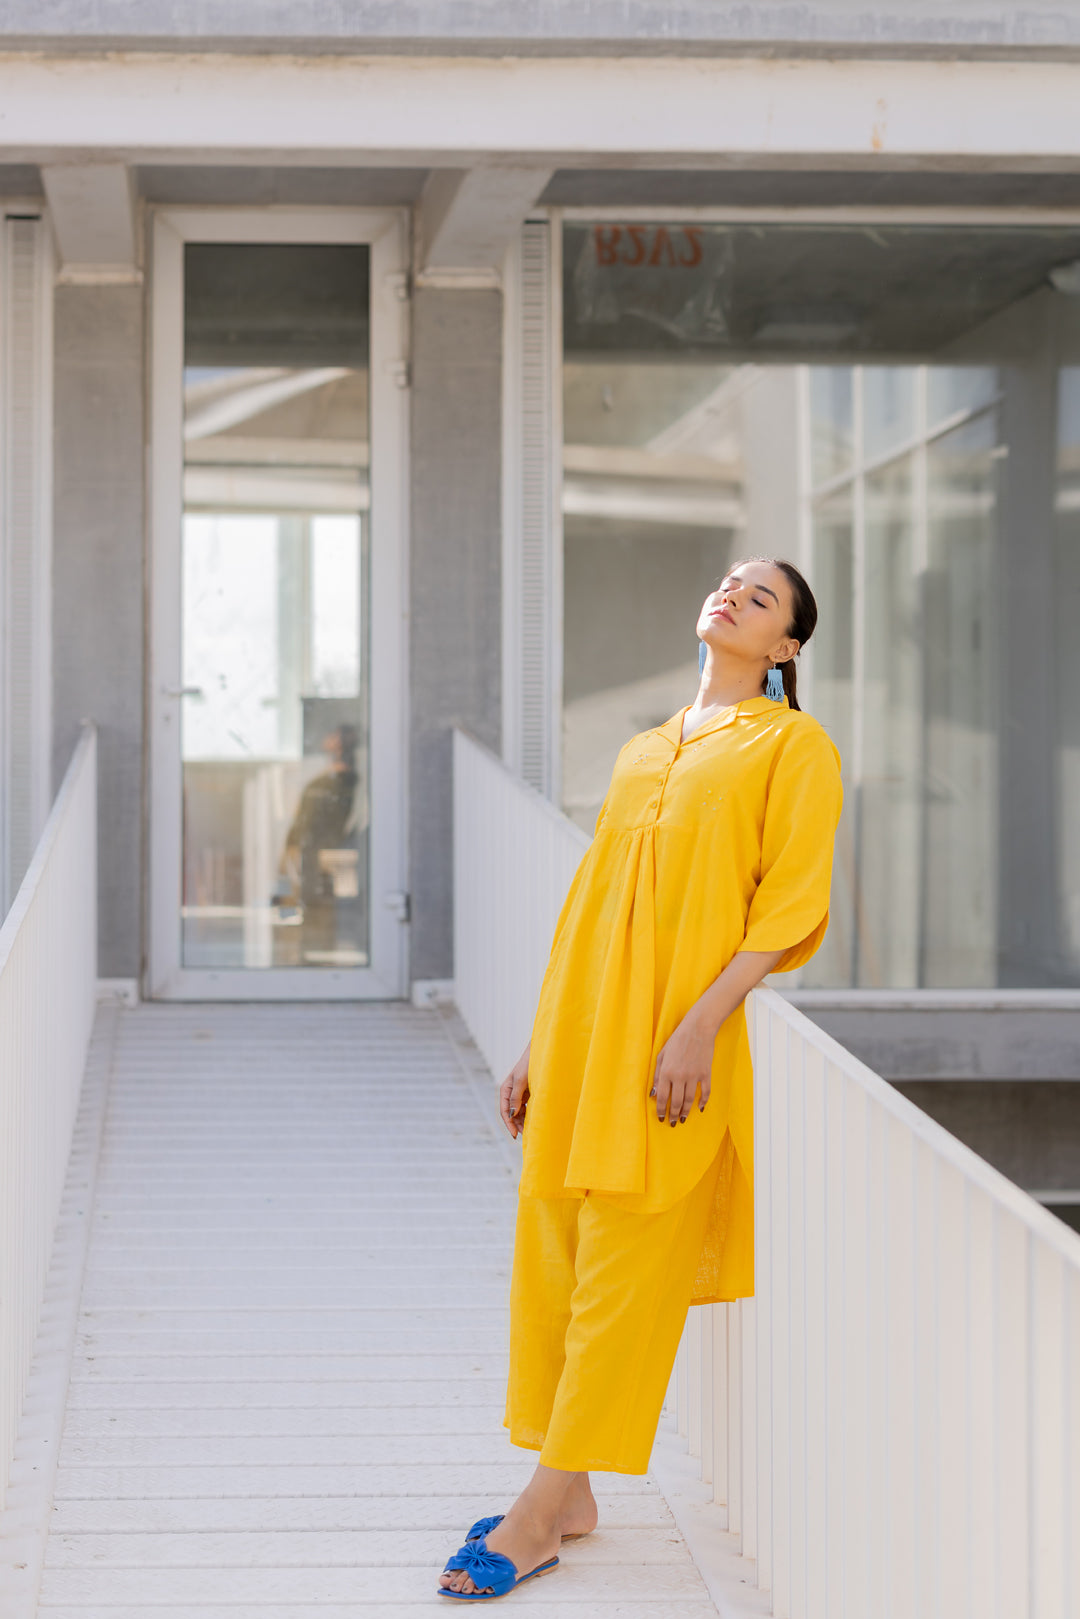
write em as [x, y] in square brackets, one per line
[514, 1094]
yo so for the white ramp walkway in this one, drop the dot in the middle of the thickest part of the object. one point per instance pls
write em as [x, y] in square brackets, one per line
[285, 1398]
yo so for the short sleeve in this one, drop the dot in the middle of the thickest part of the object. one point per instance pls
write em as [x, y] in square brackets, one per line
[790, 908]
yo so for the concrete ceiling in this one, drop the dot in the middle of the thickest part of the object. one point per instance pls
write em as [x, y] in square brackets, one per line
[939, 28]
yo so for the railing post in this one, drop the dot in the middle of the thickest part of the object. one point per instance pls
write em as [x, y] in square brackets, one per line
[718, 1399]
[694, 1413]
[763, 1290]
[708, 1430]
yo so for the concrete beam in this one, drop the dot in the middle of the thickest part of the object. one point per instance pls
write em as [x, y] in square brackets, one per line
[537, 112]
[92, 209]
[467, 219]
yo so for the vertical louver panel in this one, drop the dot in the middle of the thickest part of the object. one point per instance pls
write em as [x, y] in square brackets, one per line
[537, 648]
[24, 700]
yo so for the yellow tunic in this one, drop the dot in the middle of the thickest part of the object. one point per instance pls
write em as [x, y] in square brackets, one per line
[702, 848]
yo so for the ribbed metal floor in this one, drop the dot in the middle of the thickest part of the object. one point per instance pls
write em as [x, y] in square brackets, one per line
[286, 1394]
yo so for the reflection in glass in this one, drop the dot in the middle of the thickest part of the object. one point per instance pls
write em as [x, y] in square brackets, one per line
[1067, 717]
[832, 701]
[951, 389]
[832, 421]
[888, 791]
[888, 394]
[738, 291]
[831, 393]
[916, 854]
[673, 470]
[961, 792]
[274, 653]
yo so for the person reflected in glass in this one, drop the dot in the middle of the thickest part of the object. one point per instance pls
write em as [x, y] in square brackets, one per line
[710, 868]
[325, 821]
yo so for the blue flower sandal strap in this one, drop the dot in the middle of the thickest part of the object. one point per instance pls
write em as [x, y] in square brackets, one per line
[493, 1574]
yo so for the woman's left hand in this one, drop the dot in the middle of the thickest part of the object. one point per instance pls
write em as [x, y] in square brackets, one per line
[683, 1068]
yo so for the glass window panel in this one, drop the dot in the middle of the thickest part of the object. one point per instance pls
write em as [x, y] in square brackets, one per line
[888, 832]
[683, 433]
[230, 646]
[335, 607]
[1067, 641]
[954, 388]
[832, 421]
[959, 946]
[833, 584]
[798, 291]
[888, 408]
[274, 646]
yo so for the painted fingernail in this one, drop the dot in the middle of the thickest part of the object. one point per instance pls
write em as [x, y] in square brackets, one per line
[653, 1091]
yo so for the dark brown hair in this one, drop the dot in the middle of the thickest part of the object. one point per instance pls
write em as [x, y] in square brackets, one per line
[803, 617]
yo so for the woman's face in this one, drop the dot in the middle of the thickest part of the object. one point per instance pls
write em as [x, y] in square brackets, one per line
[749, 615]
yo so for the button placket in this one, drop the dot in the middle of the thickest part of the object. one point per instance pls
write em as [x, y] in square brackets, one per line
[662, 788]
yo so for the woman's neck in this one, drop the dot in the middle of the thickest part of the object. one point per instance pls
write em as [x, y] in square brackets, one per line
[725, 681]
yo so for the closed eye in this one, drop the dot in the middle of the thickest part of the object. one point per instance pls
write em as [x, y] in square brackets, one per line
[729, 584]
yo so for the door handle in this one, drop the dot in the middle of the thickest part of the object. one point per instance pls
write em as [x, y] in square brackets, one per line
[182, 691]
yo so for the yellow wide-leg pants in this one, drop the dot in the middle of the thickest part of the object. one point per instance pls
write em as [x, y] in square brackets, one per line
[598, 1301]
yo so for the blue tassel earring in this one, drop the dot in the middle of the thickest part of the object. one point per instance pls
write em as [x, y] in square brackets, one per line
[701, 658]
[774, 685]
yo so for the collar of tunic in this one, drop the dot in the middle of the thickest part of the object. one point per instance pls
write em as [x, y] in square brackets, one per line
[672, 728]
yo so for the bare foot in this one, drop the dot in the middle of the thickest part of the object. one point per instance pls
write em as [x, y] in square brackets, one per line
[525, 1538]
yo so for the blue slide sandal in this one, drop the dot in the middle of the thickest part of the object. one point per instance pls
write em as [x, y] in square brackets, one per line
[483, 1527]
[486, 1568]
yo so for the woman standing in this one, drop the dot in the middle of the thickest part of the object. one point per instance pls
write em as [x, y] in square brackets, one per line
[710, 868]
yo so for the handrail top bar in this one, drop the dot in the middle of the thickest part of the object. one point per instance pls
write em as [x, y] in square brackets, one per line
[936, 1000]
[534, 797]
[1031, 1214]
[84, 749]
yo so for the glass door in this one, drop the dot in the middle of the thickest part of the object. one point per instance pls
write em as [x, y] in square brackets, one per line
[268, 723]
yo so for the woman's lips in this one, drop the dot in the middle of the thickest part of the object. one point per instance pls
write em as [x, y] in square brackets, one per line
[722, 612]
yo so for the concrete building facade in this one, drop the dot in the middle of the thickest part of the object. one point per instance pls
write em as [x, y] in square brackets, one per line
[369, 376]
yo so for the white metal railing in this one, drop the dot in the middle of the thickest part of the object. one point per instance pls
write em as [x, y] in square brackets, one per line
[893, 1422]
[48, 989]
[514, 856]
[892, 1425]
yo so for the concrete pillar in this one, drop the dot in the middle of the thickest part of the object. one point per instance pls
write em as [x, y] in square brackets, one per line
[98, 584]
[455, 586]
